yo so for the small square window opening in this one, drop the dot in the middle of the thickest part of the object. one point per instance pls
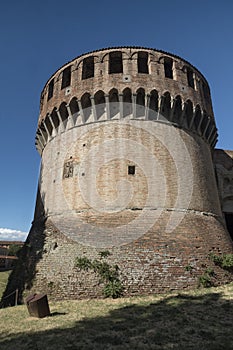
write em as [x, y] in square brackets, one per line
[131, 169]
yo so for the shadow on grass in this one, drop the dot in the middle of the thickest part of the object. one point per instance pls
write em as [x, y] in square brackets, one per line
[53, 314]
[181, 322]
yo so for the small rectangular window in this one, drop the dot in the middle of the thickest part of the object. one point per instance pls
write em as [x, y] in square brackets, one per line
[50, 91]
[88, 68]
[66, 77]
[131, 169]
[115, 62]
[143, 62]
[190, 78]
[168, 65]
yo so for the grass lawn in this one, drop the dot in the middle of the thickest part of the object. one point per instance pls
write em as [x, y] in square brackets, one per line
[3, 280]
[200, 320]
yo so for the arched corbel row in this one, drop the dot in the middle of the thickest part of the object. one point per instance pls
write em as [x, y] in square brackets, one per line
[150, 105]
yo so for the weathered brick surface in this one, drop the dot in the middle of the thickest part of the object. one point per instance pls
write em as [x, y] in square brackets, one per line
[104, 81]
[155, 263]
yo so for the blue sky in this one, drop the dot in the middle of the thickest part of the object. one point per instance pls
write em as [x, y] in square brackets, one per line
[37, 37]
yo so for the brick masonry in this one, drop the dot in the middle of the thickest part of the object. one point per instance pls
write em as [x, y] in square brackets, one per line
[165, 216]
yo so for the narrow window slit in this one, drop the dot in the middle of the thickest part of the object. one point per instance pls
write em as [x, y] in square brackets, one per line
[50, 92]
[190, 78]
[143, 62]
[66, 77]
[115, 62]
[88, 68]
[168, 67]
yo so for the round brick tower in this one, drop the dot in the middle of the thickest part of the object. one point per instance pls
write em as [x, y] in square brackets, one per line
[126, 137]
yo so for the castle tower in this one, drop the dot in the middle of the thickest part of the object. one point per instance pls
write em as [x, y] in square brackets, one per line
[126, 136]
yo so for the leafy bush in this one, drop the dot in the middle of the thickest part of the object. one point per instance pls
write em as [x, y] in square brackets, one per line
[108, 274]
[113, 289]
[209, 271]
[225, 261]
[104, 254]
[205, 281]
[83, 263]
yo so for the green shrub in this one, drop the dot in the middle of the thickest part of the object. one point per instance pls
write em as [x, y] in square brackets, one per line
[108, 274]
[209, 271]
[104, 254]
[113, 289]
[83, 263]
[205, 281]
[225, 261]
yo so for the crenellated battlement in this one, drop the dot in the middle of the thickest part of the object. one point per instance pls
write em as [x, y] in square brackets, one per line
[155, 82]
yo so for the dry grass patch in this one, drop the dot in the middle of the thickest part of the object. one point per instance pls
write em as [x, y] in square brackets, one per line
[3, 281]
[201, 319]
